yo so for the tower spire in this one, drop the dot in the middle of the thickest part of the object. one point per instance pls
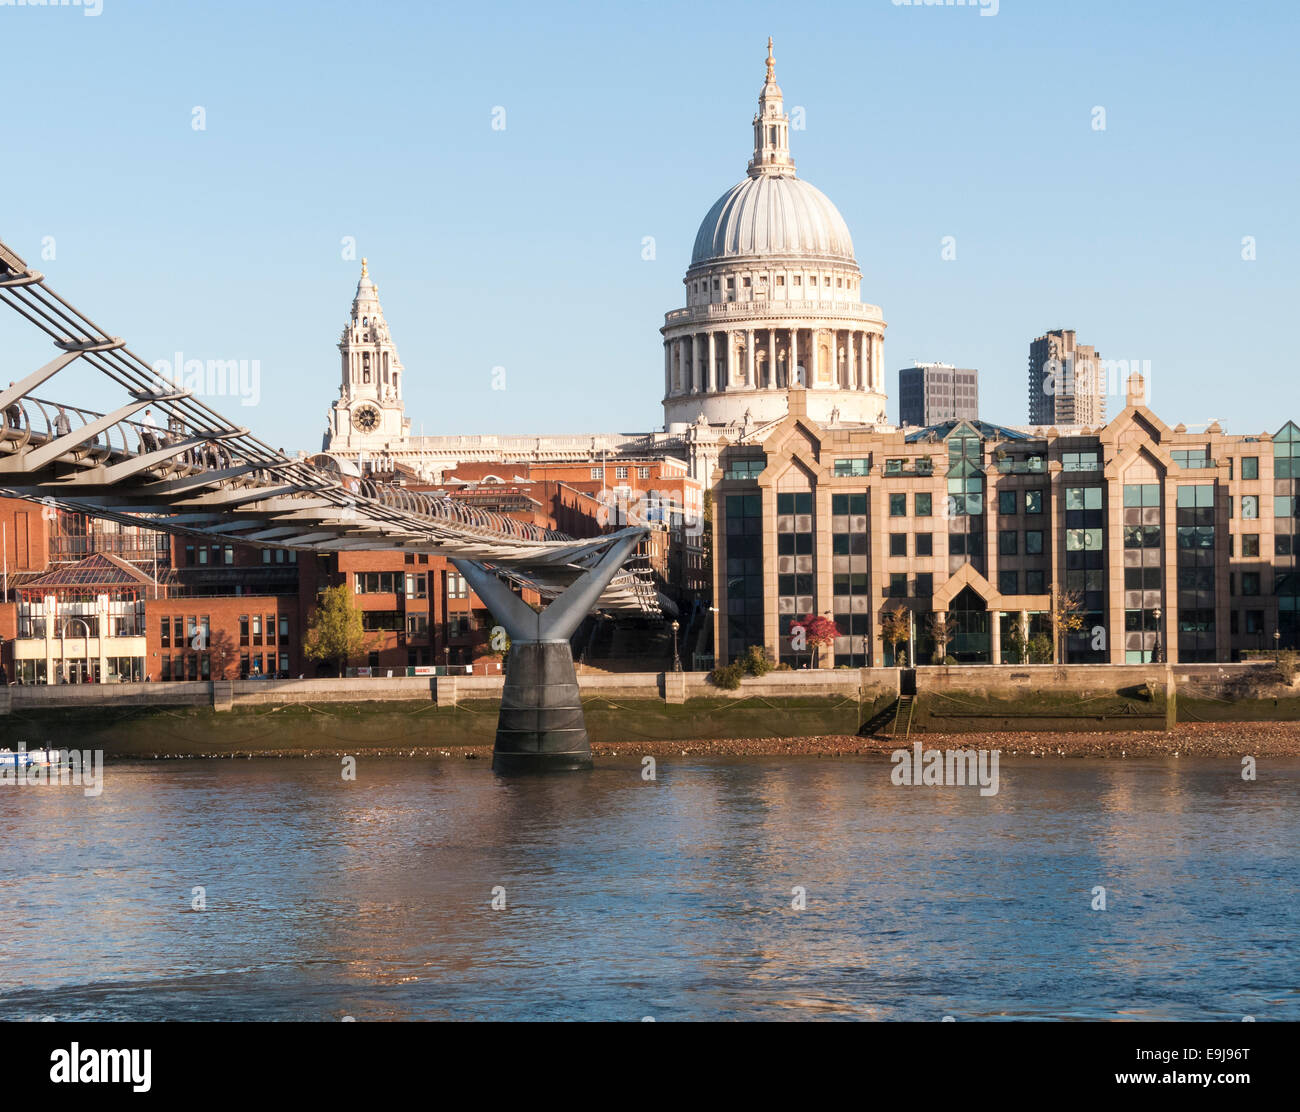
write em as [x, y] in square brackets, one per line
[771, 127]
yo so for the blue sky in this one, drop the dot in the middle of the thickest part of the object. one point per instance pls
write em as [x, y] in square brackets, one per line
[521, 247]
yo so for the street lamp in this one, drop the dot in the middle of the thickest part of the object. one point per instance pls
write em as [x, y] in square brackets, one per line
[677, 660]
[1277, 644]
[1155, 652]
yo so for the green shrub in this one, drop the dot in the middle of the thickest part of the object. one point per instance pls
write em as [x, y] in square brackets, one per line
[756, 661]
[727, 676]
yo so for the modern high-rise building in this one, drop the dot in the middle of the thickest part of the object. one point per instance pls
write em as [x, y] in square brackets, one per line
[932, 392]
[1066, 383]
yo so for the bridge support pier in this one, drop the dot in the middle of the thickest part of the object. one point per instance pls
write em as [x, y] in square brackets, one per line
[541, 727]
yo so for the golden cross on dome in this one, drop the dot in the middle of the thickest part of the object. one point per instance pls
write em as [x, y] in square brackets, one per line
[365, 270]
[771, 62]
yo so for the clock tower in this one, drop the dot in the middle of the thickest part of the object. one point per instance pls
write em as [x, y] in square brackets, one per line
[368, 415]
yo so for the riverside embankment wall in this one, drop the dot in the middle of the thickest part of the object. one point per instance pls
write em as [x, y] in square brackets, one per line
[671, 687]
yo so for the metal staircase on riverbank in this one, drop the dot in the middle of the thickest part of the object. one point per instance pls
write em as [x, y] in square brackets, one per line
[903, 716]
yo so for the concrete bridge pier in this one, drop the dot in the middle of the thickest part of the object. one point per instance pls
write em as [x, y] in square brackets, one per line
[541, 727]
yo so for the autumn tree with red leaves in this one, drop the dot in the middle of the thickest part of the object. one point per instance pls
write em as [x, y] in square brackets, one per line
[818, 633]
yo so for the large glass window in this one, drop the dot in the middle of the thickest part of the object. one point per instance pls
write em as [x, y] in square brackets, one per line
[850, 579]
[744, 549]
[796, 569]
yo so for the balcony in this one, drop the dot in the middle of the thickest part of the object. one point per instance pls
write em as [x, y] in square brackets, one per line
[1030, 465]
[723, 311]
[922, 467]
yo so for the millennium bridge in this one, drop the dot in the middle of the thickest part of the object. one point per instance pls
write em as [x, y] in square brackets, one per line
[196, 472]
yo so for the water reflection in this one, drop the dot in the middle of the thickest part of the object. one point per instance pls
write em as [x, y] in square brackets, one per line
[670, 898]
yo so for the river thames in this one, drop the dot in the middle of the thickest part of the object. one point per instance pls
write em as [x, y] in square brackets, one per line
[724, 889]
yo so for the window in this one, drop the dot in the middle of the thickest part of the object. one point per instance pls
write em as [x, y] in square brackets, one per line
[924, 544]
[417, 584]
[1250, 582]
[924, 584]
[166, 626]
[745, 468]
[1007, 501]
[898, 544]
[643, 472]
[1250, 544]
[923, 504]
[1033, 501]
[598, 473]
[1193, 458]
[228, 554]
[1282, 545]
[385, 621]
[243, 635]
[257, 629]
[266, 555]
[1033, 542]
[898, 505]
[378, 582]
[620, 472]
[284, 632]
[1080, 461]
[1250, 467]
[1008, 543]
[1009, 582]
[853, 467]
[1035, 583]
[898, 584]
[417, 625]
[456, 585]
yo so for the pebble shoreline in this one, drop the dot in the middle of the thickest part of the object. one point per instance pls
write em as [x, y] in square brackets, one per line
[1228, 741]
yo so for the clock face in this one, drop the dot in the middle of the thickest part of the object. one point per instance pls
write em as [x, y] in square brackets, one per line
[366, 418]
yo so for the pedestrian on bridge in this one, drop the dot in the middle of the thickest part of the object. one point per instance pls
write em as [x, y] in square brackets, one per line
[62, 426]
[148, 432]
[14, 415]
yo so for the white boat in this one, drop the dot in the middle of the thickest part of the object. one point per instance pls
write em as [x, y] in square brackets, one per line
[28, 758]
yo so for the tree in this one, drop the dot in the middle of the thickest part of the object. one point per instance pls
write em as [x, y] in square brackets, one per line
[335, 632]
[895, 629]
[1067, 618]
[817, 633]
[942, 628]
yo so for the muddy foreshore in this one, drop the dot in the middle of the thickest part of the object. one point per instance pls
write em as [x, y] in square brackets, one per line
[1222, 740]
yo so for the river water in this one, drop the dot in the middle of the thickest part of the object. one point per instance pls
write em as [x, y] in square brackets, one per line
[673, 898]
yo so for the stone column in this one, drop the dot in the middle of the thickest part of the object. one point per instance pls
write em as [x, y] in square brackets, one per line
[711, 375]
[877, 361]
[678, 364]
[668, 368]
[696, 377]
[749, 359]
[850, 340]
[995, 636]
[771, 357]
[792, 370]
[731, 360]
[864, 375]
[1024, 633]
